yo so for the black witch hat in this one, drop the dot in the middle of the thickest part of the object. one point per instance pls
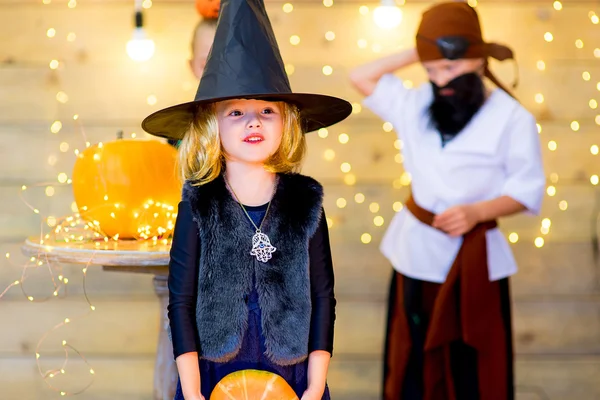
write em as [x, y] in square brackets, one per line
[245, 63]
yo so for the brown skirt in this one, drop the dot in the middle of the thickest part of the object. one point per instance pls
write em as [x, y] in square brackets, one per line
[405, 382]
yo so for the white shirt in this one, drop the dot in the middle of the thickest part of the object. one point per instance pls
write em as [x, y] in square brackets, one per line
[498, 153]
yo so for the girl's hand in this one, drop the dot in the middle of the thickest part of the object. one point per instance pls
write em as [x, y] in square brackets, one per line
[313, 394]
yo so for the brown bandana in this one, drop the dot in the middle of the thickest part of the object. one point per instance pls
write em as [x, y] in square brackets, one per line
[457, 19]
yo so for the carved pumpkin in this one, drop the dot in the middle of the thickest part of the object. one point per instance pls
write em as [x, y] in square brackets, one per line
[128, 188]
[208, 8]
[251, 384]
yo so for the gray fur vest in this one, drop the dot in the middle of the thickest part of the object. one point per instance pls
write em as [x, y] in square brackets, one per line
[226, 268]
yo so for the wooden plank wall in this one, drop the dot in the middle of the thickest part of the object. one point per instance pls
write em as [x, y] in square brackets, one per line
[557, 325]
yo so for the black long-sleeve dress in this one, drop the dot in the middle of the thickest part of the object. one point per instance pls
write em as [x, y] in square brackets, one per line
[183, 287]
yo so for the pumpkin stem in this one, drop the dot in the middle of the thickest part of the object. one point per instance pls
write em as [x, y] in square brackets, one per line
[120, 134]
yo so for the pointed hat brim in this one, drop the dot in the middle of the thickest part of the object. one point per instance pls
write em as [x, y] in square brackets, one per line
[316, 111]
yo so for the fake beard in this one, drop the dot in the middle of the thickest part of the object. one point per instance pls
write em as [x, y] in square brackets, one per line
[450, 114]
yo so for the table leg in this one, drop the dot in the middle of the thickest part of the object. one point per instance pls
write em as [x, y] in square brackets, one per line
[165, 369]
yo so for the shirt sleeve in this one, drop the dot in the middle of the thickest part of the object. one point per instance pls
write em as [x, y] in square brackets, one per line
[526, 180]
[389, 98]
[322, 294]
[183, 282]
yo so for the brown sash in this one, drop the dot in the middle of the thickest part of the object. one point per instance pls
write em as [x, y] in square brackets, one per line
[468, 308]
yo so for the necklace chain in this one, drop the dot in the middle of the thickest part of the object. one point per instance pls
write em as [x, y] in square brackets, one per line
[244, 208]
[261, 244]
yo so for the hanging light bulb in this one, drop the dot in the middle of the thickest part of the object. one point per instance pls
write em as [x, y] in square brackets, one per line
[140, 48]
[387, 15]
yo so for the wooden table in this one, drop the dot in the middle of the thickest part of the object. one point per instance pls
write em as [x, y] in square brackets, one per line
[125, 256]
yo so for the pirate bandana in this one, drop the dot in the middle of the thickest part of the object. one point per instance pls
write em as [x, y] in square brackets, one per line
[452, 31]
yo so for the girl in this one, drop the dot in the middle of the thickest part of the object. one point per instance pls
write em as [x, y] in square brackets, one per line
[251, 277]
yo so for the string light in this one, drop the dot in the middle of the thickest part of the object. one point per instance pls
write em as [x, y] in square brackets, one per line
[341, 202]
[388, 127]
[513, 237]
[575, 126]
[62, 97]
[327, 70]
[586, 76]
[593, 104]
[563, 205]
[289, 69]
[548, 37]
[343, 138]
[405, 179]
[350, 179]
[295, 40]
[551, 191]
[51, 32]
[552, 145]
[539, 242]
[345, 167]
[397, 206]
[579, 44]
[362, 43]
[594, 180]
[288, 8]
[56, 127]
[365, 238]
[329, 155]
[323, 133]
[364, 10]
[356, 108]
[359, 198]
[557, 5]
[541, 65]
[328, 3]
[539, 98]
[594, 149]
[374, 207]
[330, 36]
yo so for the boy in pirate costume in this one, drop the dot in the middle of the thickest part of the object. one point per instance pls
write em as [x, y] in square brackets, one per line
[474, 156]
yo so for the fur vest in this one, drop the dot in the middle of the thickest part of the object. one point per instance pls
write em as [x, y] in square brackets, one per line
[226, 268]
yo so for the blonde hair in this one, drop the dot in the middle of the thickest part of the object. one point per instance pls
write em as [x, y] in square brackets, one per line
[202, 158]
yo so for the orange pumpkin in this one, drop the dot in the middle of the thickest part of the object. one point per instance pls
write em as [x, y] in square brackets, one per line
[252, 384]
[128, 188]
[208, 8]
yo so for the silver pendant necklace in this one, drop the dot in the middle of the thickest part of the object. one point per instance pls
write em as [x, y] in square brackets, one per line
[261, 244]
